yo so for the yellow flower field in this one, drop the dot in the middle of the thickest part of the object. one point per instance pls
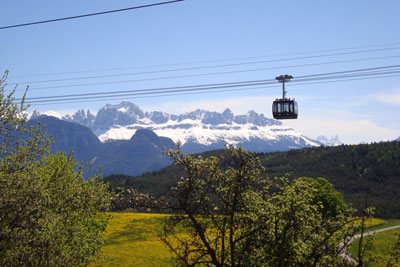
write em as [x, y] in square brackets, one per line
[371, 222]
[132, 240]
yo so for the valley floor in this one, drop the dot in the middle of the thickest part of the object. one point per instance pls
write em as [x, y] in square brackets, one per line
[133, 240]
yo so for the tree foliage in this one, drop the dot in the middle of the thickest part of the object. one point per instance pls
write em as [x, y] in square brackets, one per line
[332, 203]
[49, 215]
[11, 114]
[354, 170]
[212, 201]
[124, 199]
[233, 217]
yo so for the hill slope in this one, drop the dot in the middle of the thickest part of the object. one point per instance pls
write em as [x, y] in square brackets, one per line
[142, 153]
[357, 171]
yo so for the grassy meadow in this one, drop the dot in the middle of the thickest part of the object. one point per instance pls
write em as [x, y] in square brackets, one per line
[382, 242]
[132, 240]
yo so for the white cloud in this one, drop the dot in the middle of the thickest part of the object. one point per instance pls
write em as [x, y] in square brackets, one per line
[350, 131]
[389, 97]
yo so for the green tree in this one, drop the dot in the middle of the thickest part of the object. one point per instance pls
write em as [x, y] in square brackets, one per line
[210, 202]
[227, 215]
[331, 201]
[49, 215]
[292, 229]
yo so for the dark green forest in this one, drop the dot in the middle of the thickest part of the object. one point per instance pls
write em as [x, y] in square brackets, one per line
[366, 174]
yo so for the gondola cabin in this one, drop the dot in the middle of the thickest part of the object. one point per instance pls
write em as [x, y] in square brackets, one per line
[284, 109]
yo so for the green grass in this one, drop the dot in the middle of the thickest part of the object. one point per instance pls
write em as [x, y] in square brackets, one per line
[132, 240]
[383, 241]
[373, 224]
[385, 224]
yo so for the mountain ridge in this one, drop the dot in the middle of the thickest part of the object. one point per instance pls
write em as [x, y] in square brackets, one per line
[195, 131]
[143, 152]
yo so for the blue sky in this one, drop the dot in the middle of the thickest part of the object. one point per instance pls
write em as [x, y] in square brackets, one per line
[206, 30]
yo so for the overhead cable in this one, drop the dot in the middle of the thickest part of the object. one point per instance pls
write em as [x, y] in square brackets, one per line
[209, 74]
[207, 92]
[88, 15]
[204, 67]
[349, 71]
[202, 62]
[313, 77]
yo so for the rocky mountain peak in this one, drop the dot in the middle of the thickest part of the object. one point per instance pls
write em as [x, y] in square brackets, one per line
[213, 118]
[253, 117]
[123, 114]
[157, 116]
[127, 113]
[35, 114]
[81, 117]
[228, 114]
[197, 114]
[197, 131]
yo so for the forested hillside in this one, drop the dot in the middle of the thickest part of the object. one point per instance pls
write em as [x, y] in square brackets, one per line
[361, 172]
[141, 153]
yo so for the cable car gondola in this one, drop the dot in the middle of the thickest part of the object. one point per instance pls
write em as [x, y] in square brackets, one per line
[284, 108]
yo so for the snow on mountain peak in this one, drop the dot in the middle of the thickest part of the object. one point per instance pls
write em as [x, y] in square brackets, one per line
[333, 141]
[123, 110]
[35, 114]
[53, 114]
[199, 130]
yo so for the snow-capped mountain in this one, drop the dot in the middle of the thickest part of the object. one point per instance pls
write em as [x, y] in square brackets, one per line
[36, 114]
[139, 154]
[333, 141]
[81, 117]
[196, 131]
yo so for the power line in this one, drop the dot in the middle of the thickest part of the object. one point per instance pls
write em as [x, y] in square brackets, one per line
[202, 62]
[209, 74]
[163, 95]
[193, 87]
[147, 91]
[205, 67]
[207, 87]
[89, 15]
[368, 74]
[214, 91]
[348, 71]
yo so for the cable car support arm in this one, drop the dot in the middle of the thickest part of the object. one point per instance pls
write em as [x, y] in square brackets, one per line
[282, 79]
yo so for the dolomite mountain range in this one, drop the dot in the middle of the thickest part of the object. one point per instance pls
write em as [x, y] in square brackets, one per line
[120, 134]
